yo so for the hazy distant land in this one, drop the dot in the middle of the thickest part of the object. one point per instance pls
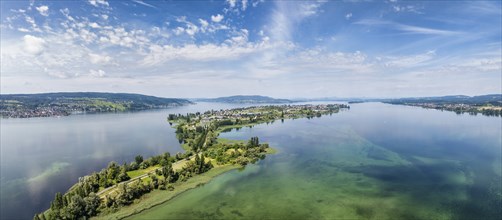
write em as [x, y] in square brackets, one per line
[489, 105]
[245, 99]
[64, 104]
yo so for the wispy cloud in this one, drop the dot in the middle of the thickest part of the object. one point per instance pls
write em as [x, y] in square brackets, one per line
[144, 4]
[287, 15]
[408, 61]
[406, 28]
[484, 7]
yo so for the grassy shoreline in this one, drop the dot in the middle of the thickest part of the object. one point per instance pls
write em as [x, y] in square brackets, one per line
[158, 197]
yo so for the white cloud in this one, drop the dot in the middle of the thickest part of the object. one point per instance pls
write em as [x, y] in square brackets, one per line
[191, 29]
[23, 30]
[232, 3]
[94, 25]
[407, 8]
[181, 19]
[179, 30]
[104, 16]
[203, 23]
[43, 10]
[244, 5]
[159, 55]
[216, 18]
[486, 64]
[87, 36]
[241, 38]
[97, 73]
[348, 16]
[33, 45]
[97, 3]
[99, 59]
[309, 9]
[256, 2]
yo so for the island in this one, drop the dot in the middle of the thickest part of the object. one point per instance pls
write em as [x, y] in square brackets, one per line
[66, 103]
[119, 191]
[489, 105]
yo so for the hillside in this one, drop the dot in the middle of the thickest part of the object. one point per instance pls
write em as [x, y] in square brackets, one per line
[489, 105]
[492, 99]
[66, 103]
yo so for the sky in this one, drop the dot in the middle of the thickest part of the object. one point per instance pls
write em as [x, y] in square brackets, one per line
[284, 49]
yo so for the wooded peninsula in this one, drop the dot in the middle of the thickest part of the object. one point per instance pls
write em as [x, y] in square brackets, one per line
[119, 191]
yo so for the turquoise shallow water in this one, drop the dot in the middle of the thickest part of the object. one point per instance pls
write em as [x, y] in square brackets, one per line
[375, 161]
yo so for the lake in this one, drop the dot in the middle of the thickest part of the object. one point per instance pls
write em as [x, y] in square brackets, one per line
[42, 156]
[373, 161]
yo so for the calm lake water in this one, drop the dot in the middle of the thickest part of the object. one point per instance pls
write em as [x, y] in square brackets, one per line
[374, 161]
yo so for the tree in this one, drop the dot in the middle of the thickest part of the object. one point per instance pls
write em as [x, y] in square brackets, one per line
[171, 117]
[197, 159]
[76, 208]
[58, 202]
[133, 166]
[124, 195]
[253, 142]
[123, 176]
[113, 171]
[202, 165]
[138, 159]
[155, 181]
[92, 203]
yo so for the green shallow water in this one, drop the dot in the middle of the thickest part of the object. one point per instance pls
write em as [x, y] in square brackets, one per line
[373, 162]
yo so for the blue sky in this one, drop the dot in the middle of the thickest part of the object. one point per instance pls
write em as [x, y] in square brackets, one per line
[276, 48]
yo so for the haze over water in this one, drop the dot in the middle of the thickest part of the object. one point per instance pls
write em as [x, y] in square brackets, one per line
[372, 161]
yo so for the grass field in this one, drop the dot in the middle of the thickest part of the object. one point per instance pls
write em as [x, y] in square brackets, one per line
[140, 172]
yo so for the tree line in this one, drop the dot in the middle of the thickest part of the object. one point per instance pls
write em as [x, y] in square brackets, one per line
[81, 200]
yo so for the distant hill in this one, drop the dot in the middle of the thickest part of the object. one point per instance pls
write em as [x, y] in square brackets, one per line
[493, 99]
[66, 103]
[489, 105]
[243, 99]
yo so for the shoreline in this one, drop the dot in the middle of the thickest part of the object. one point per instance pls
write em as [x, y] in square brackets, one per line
[159, 197]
